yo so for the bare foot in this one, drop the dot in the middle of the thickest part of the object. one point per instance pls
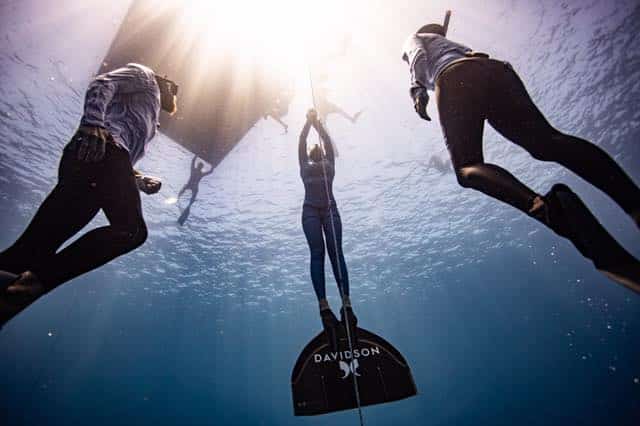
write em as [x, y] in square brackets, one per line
[539, 210]
[25, 290]
[27, 285]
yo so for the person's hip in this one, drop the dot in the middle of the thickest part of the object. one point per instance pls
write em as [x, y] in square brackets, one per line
[476, 68]
[311, 210]
[115, 162]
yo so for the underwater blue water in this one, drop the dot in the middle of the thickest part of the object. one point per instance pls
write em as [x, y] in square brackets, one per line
[501, 322]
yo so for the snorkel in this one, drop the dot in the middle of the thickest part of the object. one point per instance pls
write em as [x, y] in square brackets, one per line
[437, 28]
[445, 25]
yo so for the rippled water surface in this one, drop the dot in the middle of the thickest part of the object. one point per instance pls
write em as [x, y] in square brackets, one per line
[502, 322]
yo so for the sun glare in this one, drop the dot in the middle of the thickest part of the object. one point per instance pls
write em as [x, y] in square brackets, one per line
[278, 33]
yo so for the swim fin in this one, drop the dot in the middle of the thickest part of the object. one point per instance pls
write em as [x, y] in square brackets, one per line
[571, 218]
[330, 324]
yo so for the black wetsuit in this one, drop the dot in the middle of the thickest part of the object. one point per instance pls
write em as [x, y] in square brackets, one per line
[82, 190]
[477, 89]
[320, 215]
[194, 180]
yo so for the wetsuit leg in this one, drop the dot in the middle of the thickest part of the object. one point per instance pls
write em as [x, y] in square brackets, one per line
[512, 113]
[187, 210]
[66, 210]
[194, 195]
[462, 96]
[312, 226]
[329, 108]
[118, 196]
[182, 191]
[331, 247]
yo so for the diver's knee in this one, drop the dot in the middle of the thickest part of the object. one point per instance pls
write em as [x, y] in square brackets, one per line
[317, 253]
[548, 145]
[464, 175]
[141, 235]
[133, 237]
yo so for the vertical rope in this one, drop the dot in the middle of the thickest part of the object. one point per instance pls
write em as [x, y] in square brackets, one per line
[335, 246]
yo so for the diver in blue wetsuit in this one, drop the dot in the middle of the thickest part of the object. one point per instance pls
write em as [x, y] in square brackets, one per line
[320, 218]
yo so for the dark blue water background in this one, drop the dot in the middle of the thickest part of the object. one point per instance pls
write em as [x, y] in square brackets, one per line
[502, 322]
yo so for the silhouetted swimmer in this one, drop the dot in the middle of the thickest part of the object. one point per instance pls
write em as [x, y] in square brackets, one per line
[276, 112]
[320, 218]
[192, 185]
[194, 179]
[96, 172]
[326, 107]
[472, 88]
[274, 115]
[439, 164]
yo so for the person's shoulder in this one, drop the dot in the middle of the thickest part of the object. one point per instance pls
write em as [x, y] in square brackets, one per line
[417, 41]
[129, 71]
[410, 42]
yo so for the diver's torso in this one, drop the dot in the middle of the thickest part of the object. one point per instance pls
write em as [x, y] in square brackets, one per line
[132, 119]
[438, 52]
[313, 177]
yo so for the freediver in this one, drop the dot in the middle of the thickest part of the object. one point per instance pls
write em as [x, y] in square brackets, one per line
[439, 164]
[193, 184]
[276, 112]
[121, 112]
[326, 107]
[470, 88]
[320, 217]
[323, 105]
[276, 117]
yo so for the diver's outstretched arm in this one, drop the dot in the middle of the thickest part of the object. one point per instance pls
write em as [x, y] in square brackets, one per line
[326, 141]
[302, 144]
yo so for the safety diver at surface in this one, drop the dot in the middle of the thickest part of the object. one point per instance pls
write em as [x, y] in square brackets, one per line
[320, 218]
[121, 113]
[470, 88]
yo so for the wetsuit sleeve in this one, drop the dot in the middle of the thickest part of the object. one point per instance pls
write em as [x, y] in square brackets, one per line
[104, 87]
[326, 141]
[418, 73]
[416, 56]
[302, 145]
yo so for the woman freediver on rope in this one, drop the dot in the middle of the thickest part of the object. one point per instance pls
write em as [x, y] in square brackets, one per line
[320, 218]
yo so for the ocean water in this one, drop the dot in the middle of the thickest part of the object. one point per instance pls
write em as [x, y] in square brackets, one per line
[501, 321]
